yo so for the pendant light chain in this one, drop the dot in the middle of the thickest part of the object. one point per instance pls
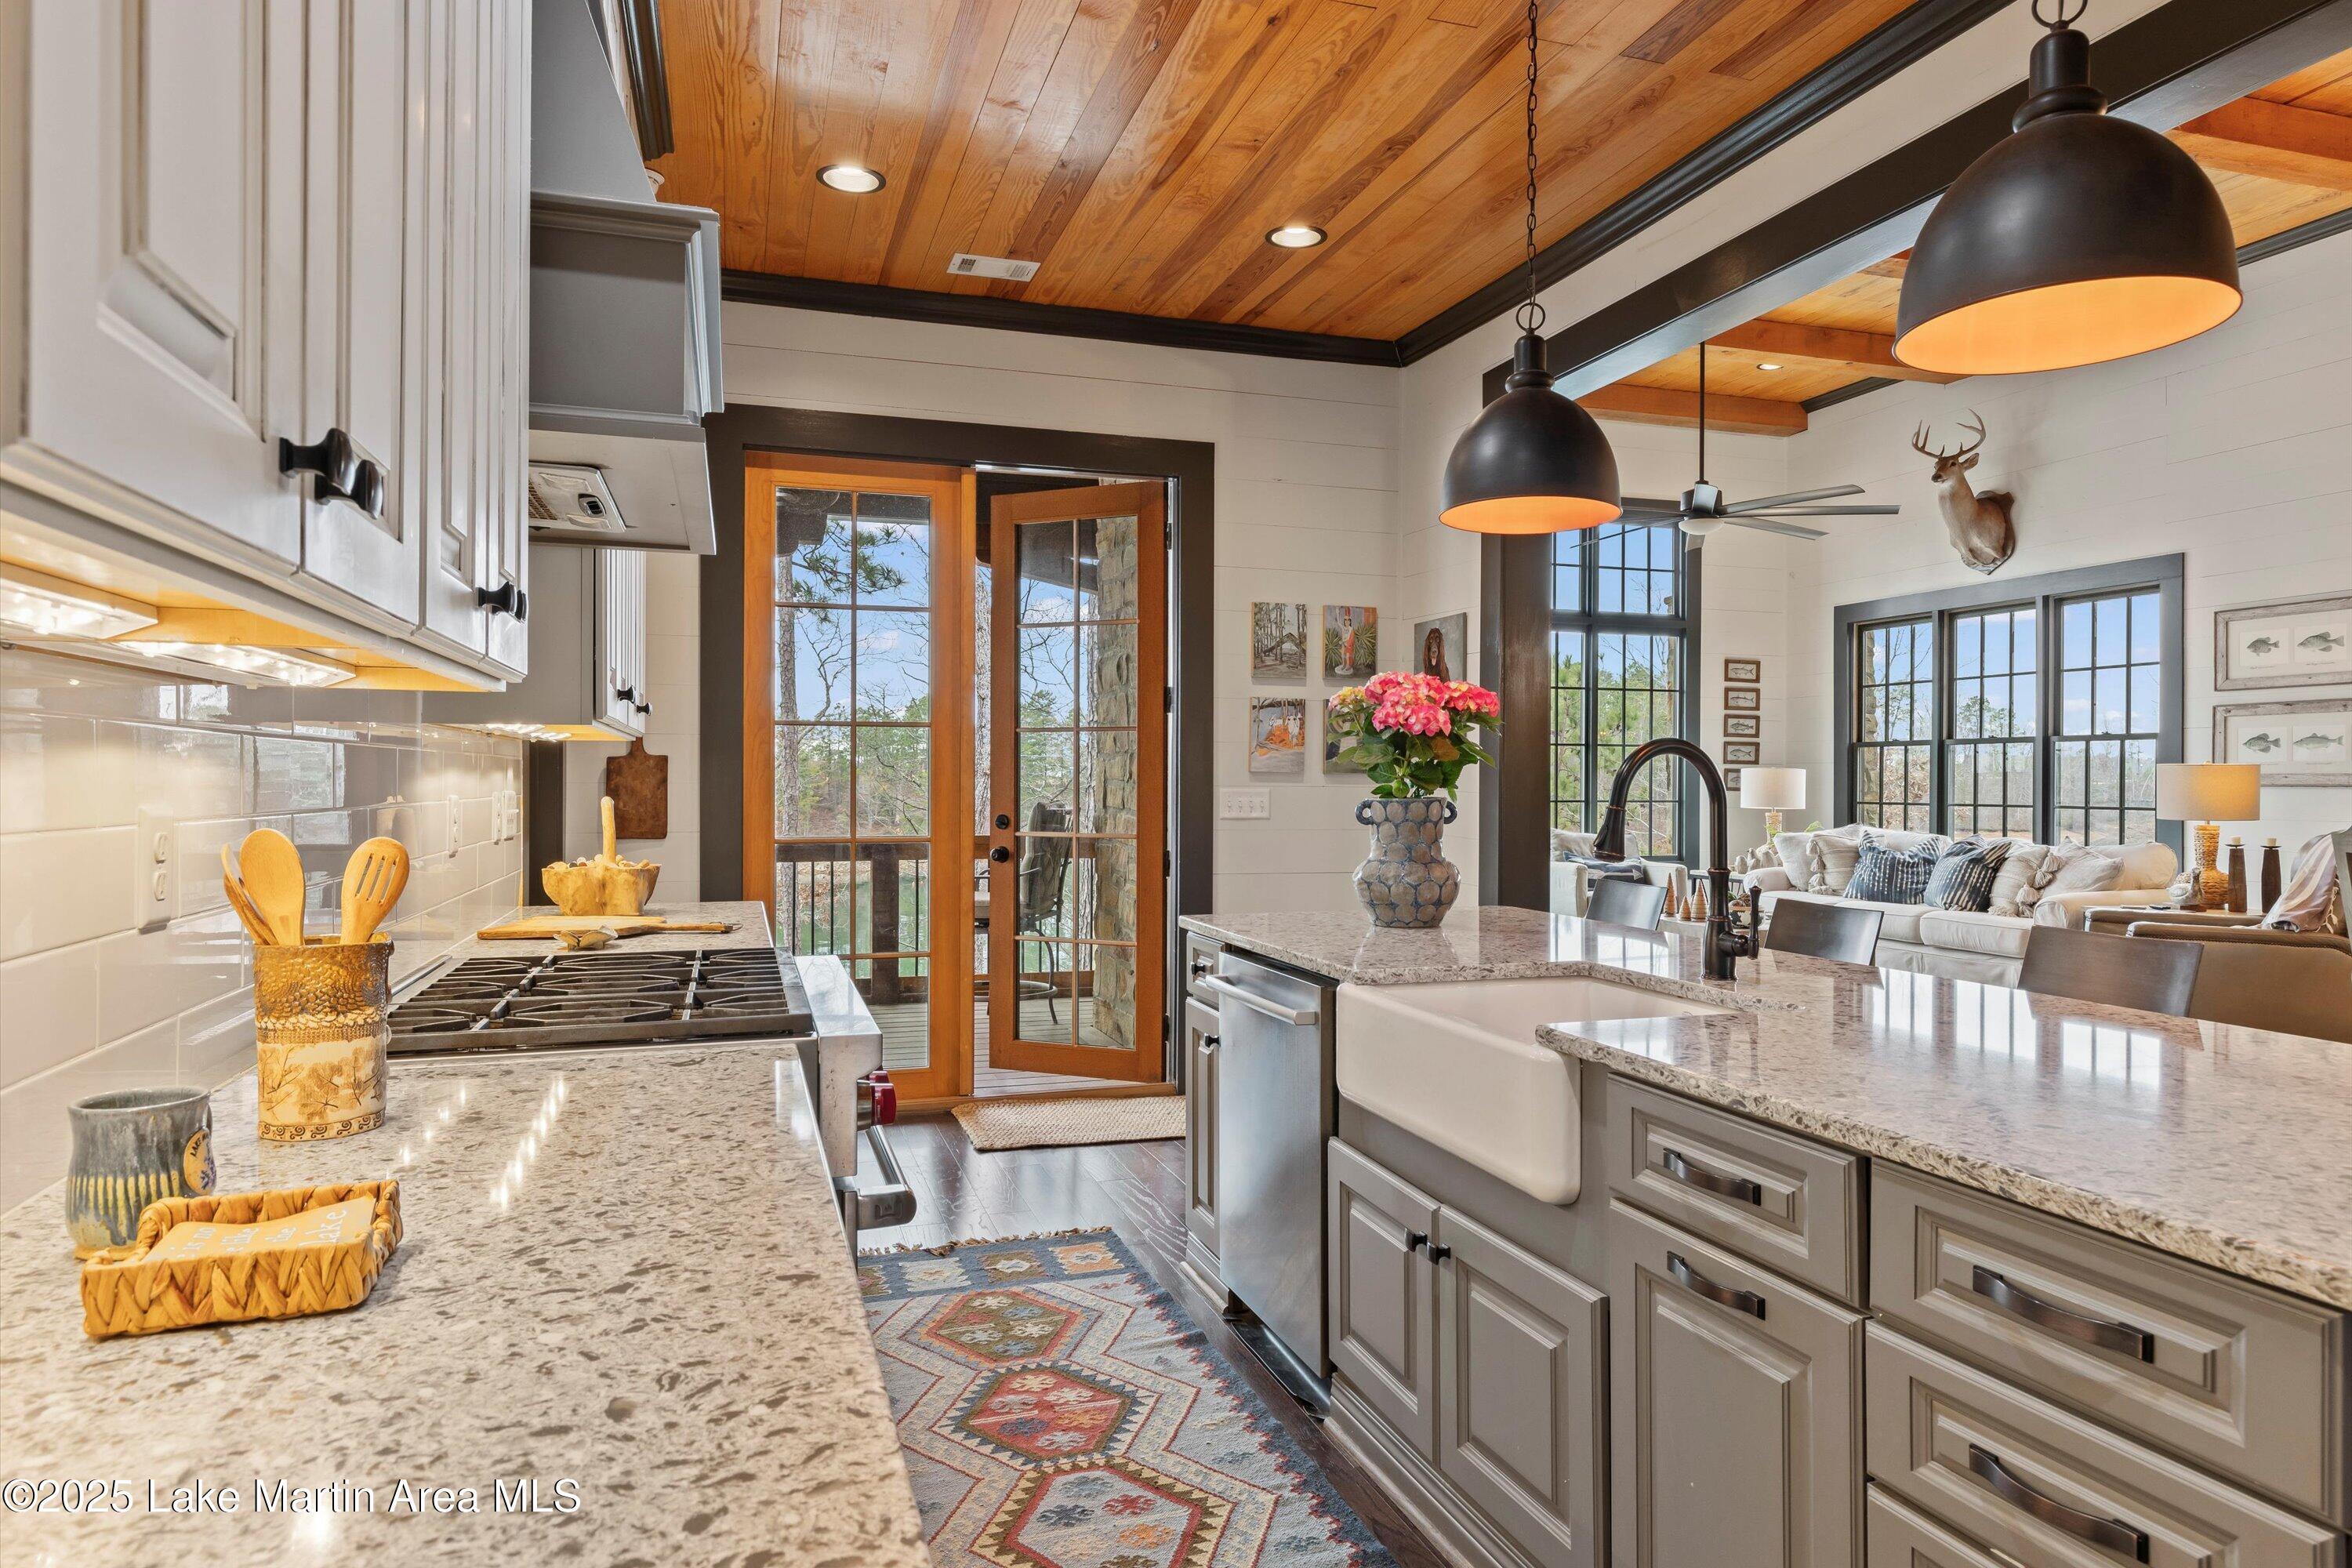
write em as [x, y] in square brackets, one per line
[1532, 314]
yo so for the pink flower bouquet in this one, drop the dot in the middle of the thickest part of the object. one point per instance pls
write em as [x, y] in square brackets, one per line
[1412, 733]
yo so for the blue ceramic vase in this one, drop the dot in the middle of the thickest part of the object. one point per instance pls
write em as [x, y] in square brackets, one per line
[1407, 882]
[132, 1148]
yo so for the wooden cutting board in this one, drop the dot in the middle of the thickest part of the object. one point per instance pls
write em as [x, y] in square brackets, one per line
[544, 926]
[638, 783]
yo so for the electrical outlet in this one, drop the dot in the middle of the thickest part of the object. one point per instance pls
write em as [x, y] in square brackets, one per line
[450, 833]
[155, 870]
[1245, 805]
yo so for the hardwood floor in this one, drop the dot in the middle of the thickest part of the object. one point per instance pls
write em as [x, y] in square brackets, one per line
[1137, 1190]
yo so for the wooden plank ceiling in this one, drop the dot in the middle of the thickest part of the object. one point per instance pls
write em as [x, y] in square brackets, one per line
[1140, 150]
[2280, 157]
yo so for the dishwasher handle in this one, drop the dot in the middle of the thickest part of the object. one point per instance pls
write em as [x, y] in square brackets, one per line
[1297, 1017]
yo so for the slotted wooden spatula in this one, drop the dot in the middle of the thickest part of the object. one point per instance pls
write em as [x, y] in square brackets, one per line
[372, 881]
[239, 900]
[271, 869]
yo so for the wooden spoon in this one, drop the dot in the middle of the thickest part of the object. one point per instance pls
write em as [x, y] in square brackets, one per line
[373, 880]
[271, 869]
[242, 903]
[611, 834]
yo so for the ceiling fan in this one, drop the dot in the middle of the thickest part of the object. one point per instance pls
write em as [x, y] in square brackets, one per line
[1704, 510]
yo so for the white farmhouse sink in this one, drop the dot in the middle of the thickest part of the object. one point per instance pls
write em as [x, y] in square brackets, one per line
[1458, 1063]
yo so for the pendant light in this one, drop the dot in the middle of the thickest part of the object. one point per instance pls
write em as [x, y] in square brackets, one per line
[2081, 237]
[1532, 462]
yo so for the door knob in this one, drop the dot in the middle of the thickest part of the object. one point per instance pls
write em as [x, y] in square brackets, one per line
[339, 468]
[507, 598]
[1000, 854]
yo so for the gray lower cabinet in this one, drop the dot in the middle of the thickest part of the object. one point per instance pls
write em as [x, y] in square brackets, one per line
[1521, 1381]
[1900, 1538]
[1484, 1362]
[1735, 1402]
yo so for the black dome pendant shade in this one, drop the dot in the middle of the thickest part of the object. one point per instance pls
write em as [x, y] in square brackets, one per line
[1532, 462]
[2079, 238]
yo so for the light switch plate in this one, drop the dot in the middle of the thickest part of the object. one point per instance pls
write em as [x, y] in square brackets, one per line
[155, 870]
[1245, 805]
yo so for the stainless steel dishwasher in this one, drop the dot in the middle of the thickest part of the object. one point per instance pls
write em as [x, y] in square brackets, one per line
[1275, 1114]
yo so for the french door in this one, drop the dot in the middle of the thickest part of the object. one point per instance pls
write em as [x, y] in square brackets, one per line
[1076, 644]
[955, 760]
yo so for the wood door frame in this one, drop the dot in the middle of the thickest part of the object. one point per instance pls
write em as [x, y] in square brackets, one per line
[950, 491]
[746, 432]
[1146, 501]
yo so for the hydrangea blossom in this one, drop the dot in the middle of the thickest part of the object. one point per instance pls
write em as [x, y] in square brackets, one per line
[1412, 732]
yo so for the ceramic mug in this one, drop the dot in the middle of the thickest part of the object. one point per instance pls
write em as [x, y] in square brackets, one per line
[132, 1148]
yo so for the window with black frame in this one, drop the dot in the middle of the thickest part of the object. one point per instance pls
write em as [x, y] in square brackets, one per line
[1622, 601]
[2034, 709]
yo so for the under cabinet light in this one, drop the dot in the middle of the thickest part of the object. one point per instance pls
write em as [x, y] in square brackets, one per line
[34, 604]
[283, 667]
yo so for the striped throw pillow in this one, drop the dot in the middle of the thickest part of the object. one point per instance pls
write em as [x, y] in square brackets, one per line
[1965, 873]
[1885, 875]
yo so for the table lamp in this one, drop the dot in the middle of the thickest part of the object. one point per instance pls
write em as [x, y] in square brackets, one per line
[1772, 791]
[2208, 795]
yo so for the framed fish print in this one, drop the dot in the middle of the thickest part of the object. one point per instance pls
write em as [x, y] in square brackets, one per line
[1743, 699]
[2294, 742]
[1742, 726]
[1744, 671]
[1742, 751]
[2286, 642]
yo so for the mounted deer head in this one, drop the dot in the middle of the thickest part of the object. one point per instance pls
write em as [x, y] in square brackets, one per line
[1979, 525]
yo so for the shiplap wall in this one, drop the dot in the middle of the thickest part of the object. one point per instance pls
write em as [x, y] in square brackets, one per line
[1305, 508]
[2234, 448]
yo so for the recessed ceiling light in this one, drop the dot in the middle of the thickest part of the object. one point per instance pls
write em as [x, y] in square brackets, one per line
[1766, 364]
[854, 178]
[1296, 236]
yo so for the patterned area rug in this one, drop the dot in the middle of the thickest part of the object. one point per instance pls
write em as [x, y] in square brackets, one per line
[1059, 1411]
[998, 1124]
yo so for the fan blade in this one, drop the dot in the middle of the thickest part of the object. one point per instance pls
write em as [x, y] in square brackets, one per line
[1769, 502]
[1827, 512]
[1766, 525]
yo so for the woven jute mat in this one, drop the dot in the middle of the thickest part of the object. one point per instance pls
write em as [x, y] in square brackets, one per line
[994, 1125]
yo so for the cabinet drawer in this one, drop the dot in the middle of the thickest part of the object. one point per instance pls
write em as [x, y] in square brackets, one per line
[1199, 959]
[2046, 1487]
[1735, 1409]
[1780, 1201]
[1899, 1538]
[2238, 1378]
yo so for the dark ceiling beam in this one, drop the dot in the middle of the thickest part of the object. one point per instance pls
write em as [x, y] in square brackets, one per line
[2185, 58]
[1918, 32]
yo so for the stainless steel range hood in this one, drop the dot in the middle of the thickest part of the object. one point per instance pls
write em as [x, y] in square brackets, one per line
[625, 344]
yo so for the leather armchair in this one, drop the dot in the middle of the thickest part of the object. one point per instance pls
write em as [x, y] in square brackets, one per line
[2299, 983]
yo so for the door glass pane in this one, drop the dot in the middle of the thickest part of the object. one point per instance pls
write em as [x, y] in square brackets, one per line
[812, 656]
[893, 550]
[811, 781]
[1048, 991]
[1105, 790]
[1106, 569]
[896, 911]
[1047, 766]
[1106, 992]
[894, 779]
[1047, 588]
[1106, 688]
[1049, 674]
[894, 665]
[812, 528]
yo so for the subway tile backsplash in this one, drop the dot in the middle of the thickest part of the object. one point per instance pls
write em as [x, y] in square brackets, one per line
[89, 1001]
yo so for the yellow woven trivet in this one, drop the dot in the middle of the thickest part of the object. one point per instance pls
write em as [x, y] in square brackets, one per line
[233, 1257]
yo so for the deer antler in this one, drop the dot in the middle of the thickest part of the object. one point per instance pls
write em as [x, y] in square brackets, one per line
[1919, 441]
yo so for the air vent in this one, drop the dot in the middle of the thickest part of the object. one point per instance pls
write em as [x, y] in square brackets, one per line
[572, 496]
[966, 264]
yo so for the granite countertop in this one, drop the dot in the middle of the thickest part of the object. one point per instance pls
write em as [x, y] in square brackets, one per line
[749, 917]
[621, 1268]
[2226, 1145]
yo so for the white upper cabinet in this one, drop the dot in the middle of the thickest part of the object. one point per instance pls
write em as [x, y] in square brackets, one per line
[164, 267]
[274, 305]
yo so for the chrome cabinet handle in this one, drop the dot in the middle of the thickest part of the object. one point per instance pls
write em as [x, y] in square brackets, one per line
[2113, 1534]
[1739, 1188]
[2019, 1302]
[1295, 1016]
[1698, 1284]
[339, 468]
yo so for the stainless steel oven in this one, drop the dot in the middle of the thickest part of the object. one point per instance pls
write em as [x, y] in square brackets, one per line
[1275, 1114]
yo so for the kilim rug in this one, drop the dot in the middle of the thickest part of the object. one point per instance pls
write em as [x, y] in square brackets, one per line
[1058, 1410]
[993, 1125]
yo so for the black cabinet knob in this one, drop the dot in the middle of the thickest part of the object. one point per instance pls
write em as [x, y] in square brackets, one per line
[1439, 1252]
[1414, 1240]
[1000, 854]
[507, 598]
[339, 470]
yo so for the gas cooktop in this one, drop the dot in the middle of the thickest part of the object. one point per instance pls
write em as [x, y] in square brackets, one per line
[567, 1001]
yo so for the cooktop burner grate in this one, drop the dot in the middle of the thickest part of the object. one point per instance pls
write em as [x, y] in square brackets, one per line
[575, 1000]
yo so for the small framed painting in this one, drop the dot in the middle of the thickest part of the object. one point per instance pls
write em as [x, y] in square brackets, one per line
[1441, 647]
[2292, 743]
[1351, 641]
[1738, 751]
[1278, 737]
[1742, 699]
[1742, 726]
[1278, 641]
[1743, 671]
[1731, 780]
[1333, 746]
[2287, 642]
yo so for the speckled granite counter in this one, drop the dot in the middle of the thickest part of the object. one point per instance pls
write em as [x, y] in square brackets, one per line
[623, 1270]
[749, 919]
[2228, 1145]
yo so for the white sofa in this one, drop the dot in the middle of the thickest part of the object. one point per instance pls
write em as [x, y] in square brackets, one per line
[1572, 883]
[1961, 946]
